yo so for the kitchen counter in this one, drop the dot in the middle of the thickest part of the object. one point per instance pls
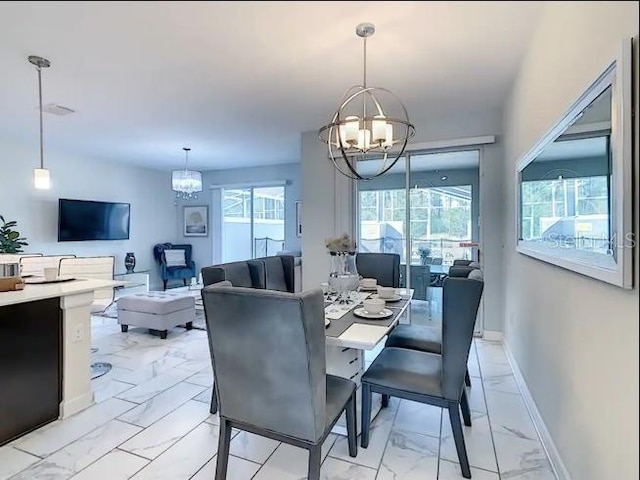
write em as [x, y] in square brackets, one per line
[52, 290]
[45, 354]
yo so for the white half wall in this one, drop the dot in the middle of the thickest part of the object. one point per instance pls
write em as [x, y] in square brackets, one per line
[153, 216]
[575, 339]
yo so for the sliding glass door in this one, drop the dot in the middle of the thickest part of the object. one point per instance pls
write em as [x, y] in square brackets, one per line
[426, 210]
[252, 222]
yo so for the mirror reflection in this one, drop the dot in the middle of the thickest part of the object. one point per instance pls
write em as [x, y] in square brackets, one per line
[565, 192]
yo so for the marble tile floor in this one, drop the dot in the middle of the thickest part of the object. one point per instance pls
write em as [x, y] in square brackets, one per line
[151, 420]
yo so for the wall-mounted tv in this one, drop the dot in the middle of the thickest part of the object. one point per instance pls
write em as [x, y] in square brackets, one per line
[80, 220]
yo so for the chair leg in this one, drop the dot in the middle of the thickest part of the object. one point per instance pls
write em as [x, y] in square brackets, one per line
[223, 449]
[315, 458]
[385, 400]
[366, 414]
[458, 437]
[214, 401]
[184, 280]
[464, 406]
[352, 426]
[467, 378]
[164, 282]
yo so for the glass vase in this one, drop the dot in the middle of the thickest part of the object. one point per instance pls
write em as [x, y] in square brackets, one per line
[344, 278]
[130, 262]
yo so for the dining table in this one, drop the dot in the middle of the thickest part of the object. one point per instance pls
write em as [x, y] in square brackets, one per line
[349, 336]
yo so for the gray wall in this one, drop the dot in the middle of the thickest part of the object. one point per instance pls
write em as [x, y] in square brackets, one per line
[205, 248]
[575, 339]
[153, 216]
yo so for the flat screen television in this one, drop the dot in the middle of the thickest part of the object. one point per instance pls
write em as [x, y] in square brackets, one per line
[80, 220]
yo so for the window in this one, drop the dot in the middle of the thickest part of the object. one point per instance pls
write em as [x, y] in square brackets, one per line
[440, 217]
[252, 222]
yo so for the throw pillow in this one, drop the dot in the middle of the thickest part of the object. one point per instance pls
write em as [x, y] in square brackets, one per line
[476, 275]
[175, 258]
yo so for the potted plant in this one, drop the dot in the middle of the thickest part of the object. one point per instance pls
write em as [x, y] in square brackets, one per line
[425, 255]
[10, 239]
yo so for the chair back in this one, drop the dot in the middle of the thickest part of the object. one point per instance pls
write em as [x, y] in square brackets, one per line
[35, 265]
[248, 274]
[93, 268]
[279, 273]
[384, 267]
[268, 358]
[460, 302]
[15, 257]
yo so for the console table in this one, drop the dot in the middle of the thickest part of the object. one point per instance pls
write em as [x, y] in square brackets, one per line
[132, 282]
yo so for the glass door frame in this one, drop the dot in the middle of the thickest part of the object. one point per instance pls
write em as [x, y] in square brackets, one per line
[218, 191]
[407, 176]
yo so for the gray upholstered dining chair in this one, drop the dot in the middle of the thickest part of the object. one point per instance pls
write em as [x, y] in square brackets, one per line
[240, 274]
[268, 357]
[384, 267]
[428, 377]
[429, 339]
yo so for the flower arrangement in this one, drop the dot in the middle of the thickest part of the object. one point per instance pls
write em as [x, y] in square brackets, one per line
[341, 244]
[425, 253]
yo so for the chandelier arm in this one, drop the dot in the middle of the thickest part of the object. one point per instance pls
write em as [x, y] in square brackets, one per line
[343, 172]
[406, 138]
[377, 103]
[346, 161]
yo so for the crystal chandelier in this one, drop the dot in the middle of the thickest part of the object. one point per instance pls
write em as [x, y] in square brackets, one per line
[365, 127]
[186, 183]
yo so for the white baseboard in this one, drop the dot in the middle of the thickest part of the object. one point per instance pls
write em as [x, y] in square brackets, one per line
[69, 407]
[492, 335]
[557, 464]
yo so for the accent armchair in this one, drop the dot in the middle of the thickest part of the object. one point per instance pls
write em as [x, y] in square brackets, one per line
[176, 268]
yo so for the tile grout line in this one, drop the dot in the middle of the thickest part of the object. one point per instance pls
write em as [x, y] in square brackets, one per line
[395, 416]
[486, 405]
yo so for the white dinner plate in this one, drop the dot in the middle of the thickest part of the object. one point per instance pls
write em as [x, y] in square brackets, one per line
[361, 312]
[368, 289]
[395, 298]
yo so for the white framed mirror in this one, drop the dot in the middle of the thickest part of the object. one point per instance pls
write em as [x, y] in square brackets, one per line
[574, 187]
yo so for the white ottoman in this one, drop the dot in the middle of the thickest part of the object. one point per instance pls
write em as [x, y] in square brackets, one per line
[156, 311]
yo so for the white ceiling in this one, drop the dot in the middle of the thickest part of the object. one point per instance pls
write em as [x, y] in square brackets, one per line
[239, 81]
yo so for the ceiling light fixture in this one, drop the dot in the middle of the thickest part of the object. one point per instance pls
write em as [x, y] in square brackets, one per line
[186, 183]
[41, 177]
[361, 129]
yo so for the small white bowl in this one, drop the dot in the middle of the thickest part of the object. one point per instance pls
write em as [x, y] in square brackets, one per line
[386, 292]
[368, 282]
[373, 305]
